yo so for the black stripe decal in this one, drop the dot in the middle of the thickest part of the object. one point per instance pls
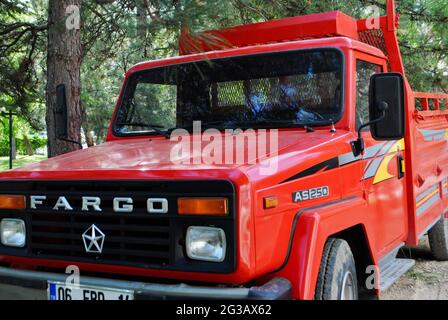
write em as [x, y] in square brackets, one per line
[323, 166]
[294, 226]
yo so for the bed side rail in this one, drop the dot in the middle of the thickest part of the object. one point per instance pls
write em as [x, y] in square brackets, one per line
[430, 105]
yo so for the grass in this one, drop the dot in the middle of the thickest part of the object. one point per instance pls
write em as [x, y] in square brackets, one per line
[20, 161]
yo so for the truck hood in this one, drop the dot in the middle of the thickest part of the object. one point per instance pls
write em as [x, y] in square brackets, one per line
[156, 154]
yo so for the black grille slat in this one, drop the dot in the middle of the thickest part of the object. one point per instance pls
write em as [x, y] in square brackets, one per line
[152, 241]
[104, 227]
[54, 234]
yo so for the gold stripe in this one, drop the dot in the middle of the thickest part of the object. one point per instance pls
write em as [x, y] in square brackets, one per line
[429, 196]
[382, 174]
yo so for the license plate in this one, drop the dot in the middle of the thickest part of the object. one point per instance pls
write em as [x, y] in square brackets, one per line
[61, 291]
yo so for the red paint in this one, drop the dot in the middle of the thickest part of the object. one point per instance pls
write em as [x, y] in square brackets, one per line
[387, 211]
[329, 24]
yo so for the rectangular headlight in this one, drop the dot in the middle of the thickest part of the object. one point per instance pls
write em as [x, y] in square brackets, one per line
[13, 233]
[206, 244]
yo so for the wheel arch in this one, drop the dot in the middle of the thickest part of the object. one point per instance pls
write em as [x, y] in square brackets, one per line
[345, 219]
[356, 238]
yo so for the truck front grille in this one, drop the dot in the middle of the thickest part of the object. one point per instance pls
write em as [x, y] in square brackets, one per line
[137, 239]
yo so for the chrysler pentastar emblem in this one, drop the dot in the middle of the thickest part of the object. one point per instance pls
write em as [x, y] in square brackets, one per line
[93, 239]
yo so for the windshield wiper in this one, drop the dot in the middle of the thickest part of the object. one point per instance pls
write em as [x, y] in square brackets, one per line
[153, 127]
[268, 123]
[315, 113]
[204, 126]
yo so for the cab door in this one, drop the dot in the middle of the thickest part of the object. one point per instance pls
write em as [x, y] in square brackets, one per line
[383, 173]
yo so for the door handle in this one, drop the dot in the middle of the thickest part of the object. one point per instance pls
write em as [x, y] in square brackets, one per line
[401, 166]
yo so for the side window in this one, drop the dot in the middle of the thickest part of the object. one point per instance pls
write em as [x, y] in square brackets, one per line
[364, 70]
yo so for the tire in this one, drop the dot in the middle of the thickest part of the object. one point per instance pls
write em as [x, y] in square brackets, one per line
[438, 240]
[337, 278]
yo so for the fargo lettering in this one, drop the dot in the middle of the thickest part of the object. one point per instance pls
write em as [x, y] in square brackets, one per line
[94, 204]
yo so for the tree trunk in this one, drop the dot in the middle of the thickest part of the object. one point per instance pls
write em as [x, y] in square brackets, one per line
[63, 67]
[28, 145]
[142, 26]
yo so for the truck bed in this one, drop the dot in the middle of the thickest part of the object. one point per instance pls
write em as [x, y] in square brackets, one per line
[427, 150]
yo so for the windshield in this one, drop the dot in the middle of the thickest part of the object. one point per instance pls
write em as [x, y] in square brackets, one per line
[286, 89]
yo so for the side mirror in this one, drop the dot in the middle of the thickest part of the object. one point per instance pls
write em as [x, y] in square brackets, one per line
[386, 110]
[387, 103]
[61, 113]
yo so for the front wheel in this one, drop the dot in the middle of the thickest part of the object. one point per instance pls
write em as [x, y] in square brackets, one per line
[337, 274]
[438, 240]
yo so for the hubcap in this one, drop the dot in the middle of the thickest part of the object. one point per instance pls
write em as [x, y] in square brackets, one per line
[348, 291]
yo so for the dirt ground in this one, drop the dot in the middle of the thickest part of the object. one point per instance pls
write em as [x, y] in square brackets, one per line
[427, 280]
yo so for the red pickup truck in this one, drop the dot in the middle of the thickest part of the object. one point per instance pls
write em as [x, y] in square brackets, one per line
[141, 216]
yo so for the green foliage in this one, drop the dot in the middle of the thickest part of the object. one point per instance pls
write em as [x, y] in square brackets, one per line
[20, 128]
[424, 42]
[4, 148]
[36, 143]
[22, 52]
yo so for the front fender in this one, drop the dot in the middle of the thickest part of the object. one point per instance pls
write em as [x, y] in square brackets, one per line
[312, 227]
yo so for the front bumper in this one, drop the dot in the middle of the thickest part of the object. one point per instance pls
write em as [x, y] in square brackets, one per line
[21, 284]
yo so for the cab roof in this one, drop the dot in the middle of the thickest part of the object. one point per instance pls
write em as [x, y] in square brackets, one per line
[342, 43]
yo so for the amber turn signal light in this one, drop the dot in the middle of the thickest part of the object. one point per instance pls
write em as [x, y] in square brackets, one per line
[12, 202]
[203, 206]
[270, 202]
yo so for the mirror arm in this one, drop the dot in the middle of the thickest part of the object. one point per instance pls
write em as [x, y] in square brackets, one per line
[64, 139]
[358, 145]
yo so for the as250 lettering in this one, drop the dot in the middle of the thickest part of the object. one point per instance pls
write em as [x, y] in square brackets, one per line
[311, 194]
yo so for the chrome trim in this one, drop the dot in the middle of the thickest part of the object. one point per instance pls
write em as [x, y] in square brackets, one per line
[140, 288]
[348, 289]
[277, 288]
